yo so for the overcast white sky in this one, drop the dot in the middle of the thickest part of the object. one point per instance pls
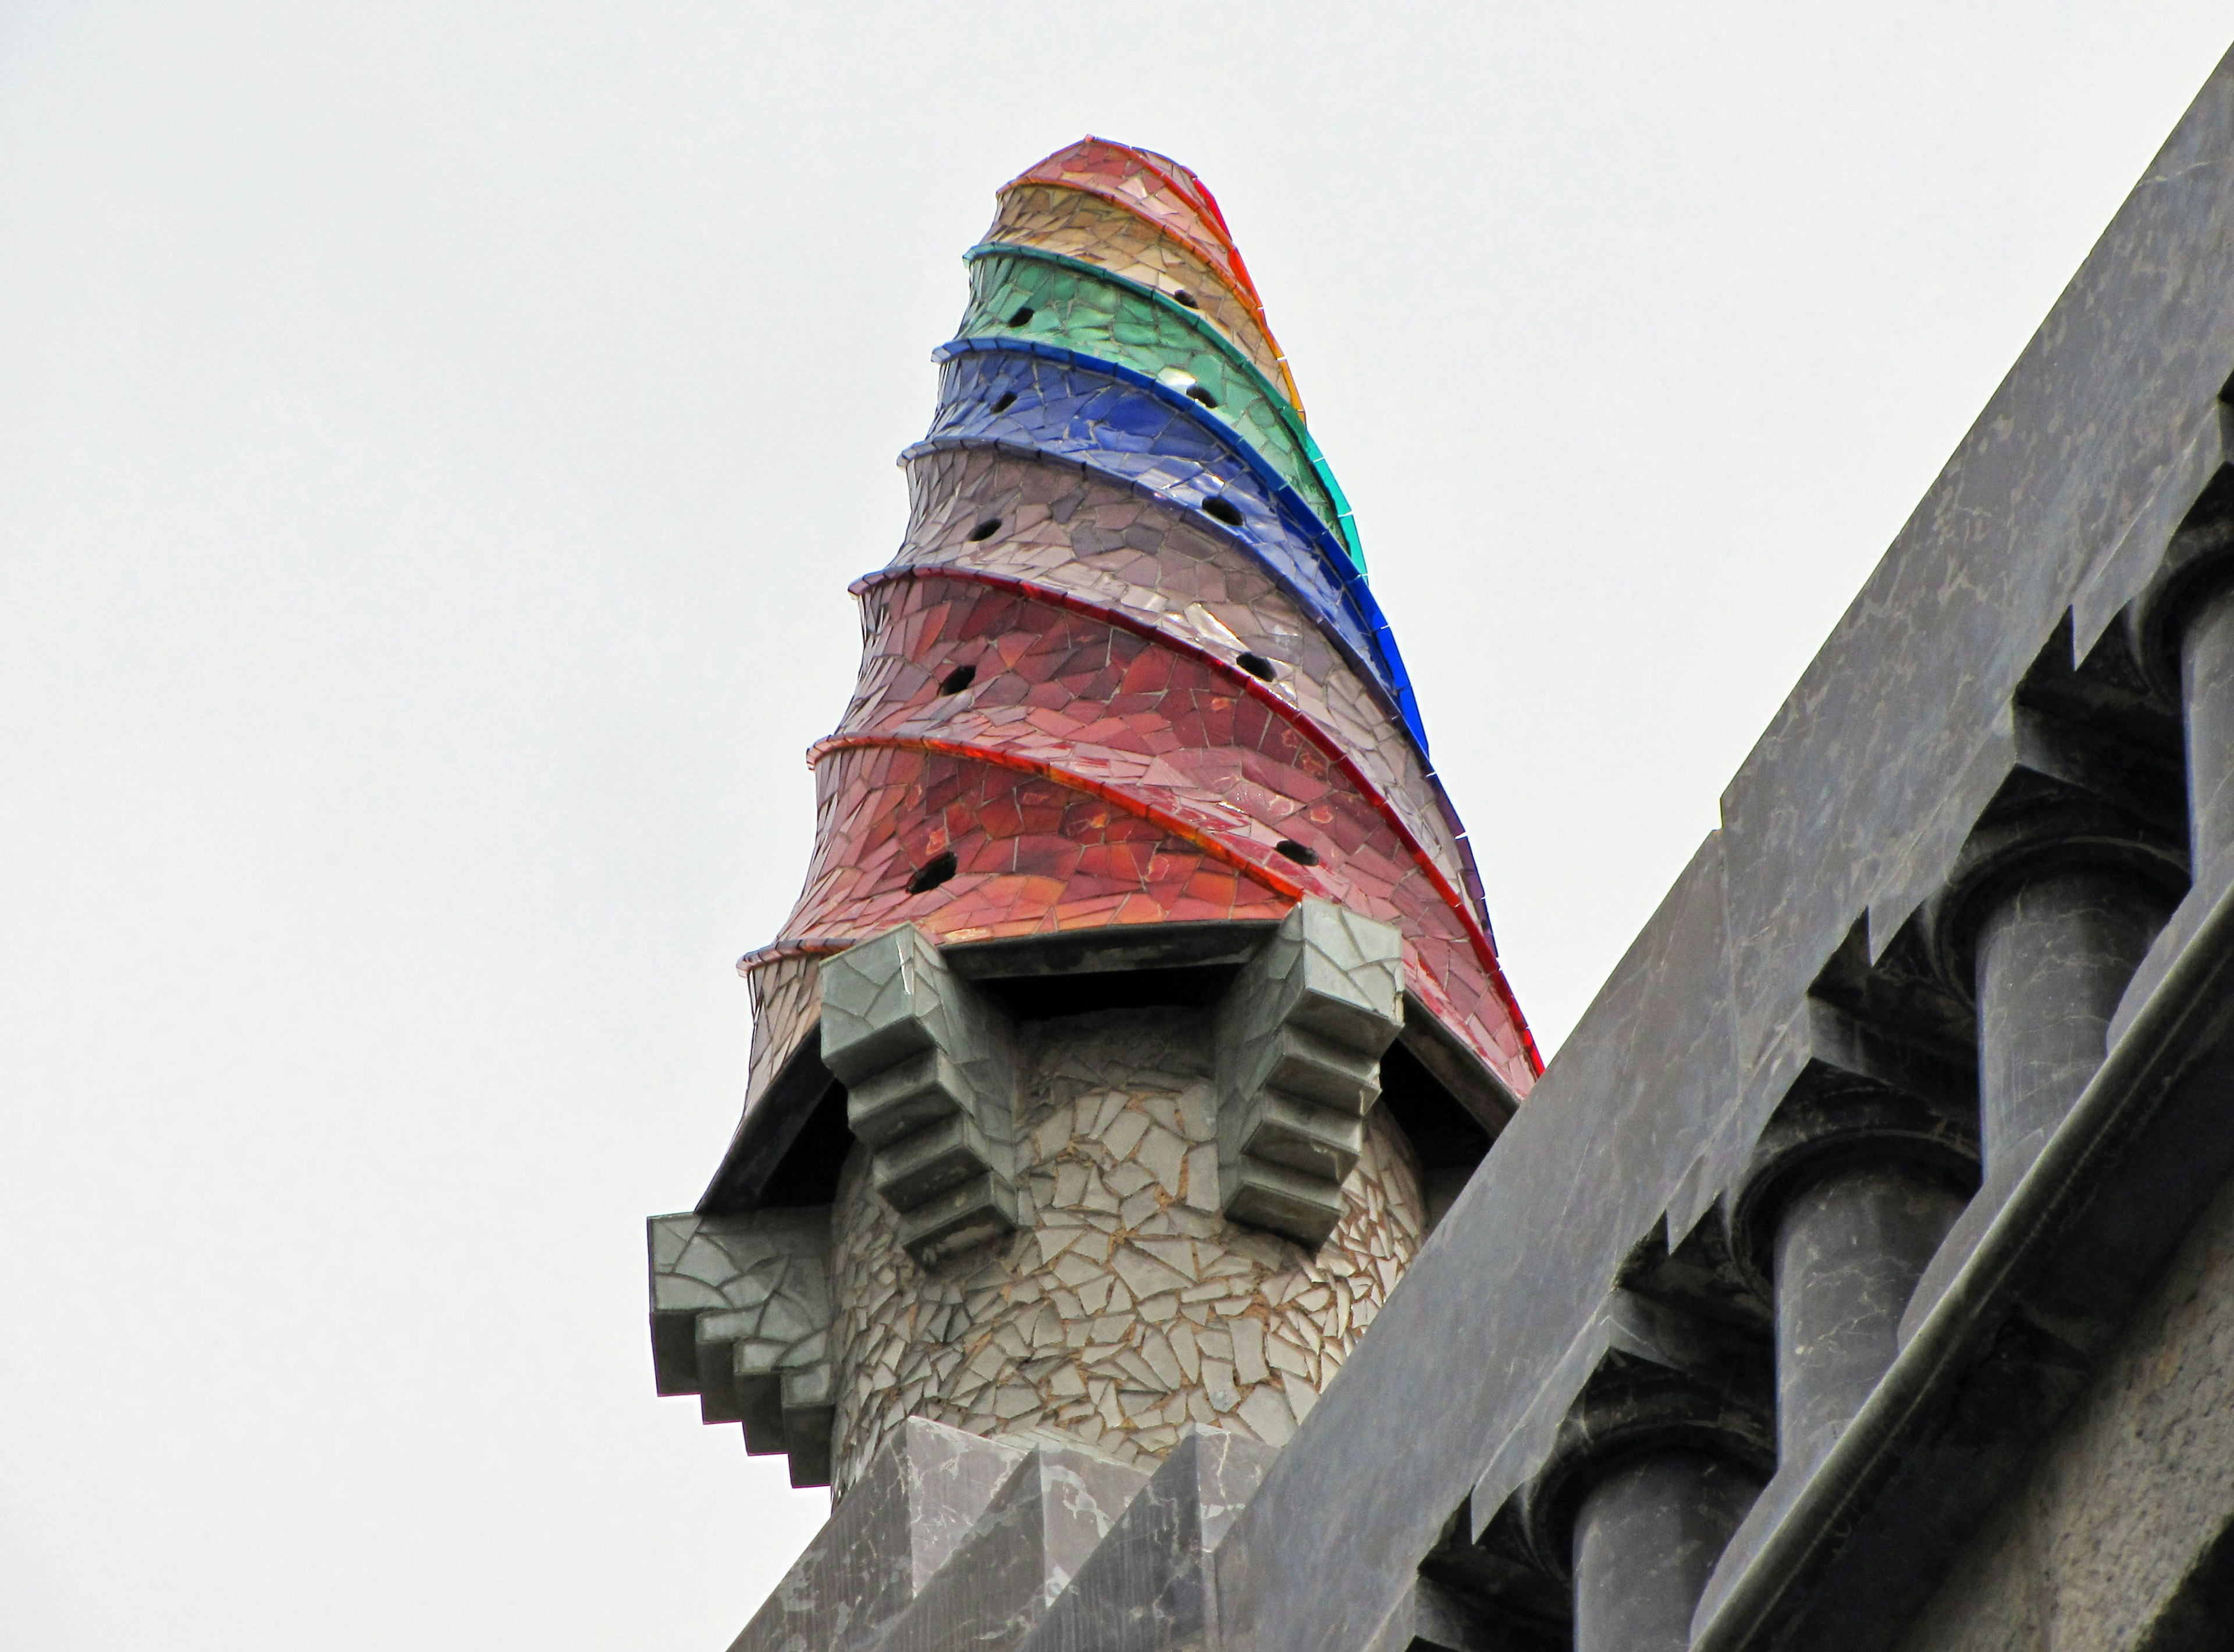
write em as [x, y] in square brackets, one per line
[434, 441]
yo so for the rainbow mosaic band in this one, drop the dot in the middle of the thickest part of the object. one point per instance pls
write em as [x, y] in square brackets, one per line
[1142, 215]
[1125, 668]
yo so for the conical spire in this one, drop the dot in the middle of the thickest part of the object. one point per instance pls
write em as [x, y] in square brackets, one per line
[1126, 668]
[1139, 1014]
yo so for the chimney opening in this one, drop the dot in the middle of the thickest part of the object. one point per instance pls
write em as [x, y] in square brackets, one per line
[1007, 399]
[958, 679]
[1022, 316]
[1302, 854]
[1222, 510]
[985, 529]
[1256, 665]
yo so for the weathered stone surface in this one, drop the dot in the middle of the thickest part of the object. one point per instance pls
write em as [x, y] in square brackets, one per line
[1852, 810]
[1494, 1301]
[2116, 1537]
[741, 1313]
[1431, 1617]
[910, 1510]
[1126, 1306]
[1149, 1587]
[1050, 1514]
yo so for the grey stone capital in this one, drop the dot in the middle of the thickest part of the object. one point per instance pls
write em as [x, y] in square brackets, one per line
[1658, 1386]
[1857, 1097]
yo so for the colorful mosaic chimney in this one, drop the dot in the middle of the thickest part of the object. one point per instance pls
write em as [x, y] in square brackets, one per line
[1140, 1011]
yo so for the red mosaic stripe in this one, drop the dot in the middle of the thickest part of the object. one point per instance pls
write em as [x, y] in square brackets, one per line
[1031, 854]
[1065, 736]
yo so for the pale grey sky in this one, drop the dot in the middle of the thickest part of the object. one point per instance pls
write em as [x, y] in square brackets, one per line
[434, 444]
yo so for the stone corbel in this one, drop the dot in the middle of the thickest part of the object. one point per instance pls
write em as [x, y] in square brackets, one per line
[740, 1312]
[1300, 1037]
[930, 1088]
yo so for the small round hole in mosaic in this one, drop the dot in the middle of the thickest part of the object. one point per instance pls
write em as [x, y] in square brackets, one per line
[933, 872]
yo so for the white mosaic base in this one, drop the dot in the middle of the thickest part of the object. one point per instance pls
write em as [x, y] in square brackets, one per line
[1126, 1305]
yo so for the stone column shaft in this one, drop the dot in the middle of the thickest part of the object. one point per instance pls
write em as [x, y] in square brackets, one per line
[1849, 1250]
[2054, 956]
[2207, 690]
[1647, 1535]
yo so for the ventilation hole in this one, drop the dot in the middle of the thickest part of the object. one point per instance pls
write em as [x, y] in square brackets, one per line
[1007, 400]
[1302, 854]
[985, 529]
[1256, 664]
[958, 679]
[1022, 316]
[1196, 393]
[1221, 510]
[940, 867]
[1187, 298]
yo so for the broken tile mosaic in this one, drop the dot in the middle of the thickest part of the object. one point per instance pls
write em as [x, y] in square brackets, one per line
[1125, 1307]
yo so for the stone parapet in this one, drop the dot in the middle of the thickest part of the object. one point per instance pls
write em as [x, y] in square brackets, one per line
[911, 1510]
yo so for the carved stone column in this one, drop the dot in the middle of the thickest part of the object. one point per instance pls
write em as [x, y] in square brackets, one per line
[1848, 1254]
[2054, 952]
[1864, 1165]
[2207, 691]
[1647, 1536]
[1865, 1201]
[1653, 1467]
[2183, 628]
[2050, 913]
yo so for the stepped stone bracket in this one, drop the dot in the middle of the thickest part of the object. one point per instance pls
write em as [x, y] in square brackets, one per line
[1300, 1037]
[741, 1312]
[930, 1088]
